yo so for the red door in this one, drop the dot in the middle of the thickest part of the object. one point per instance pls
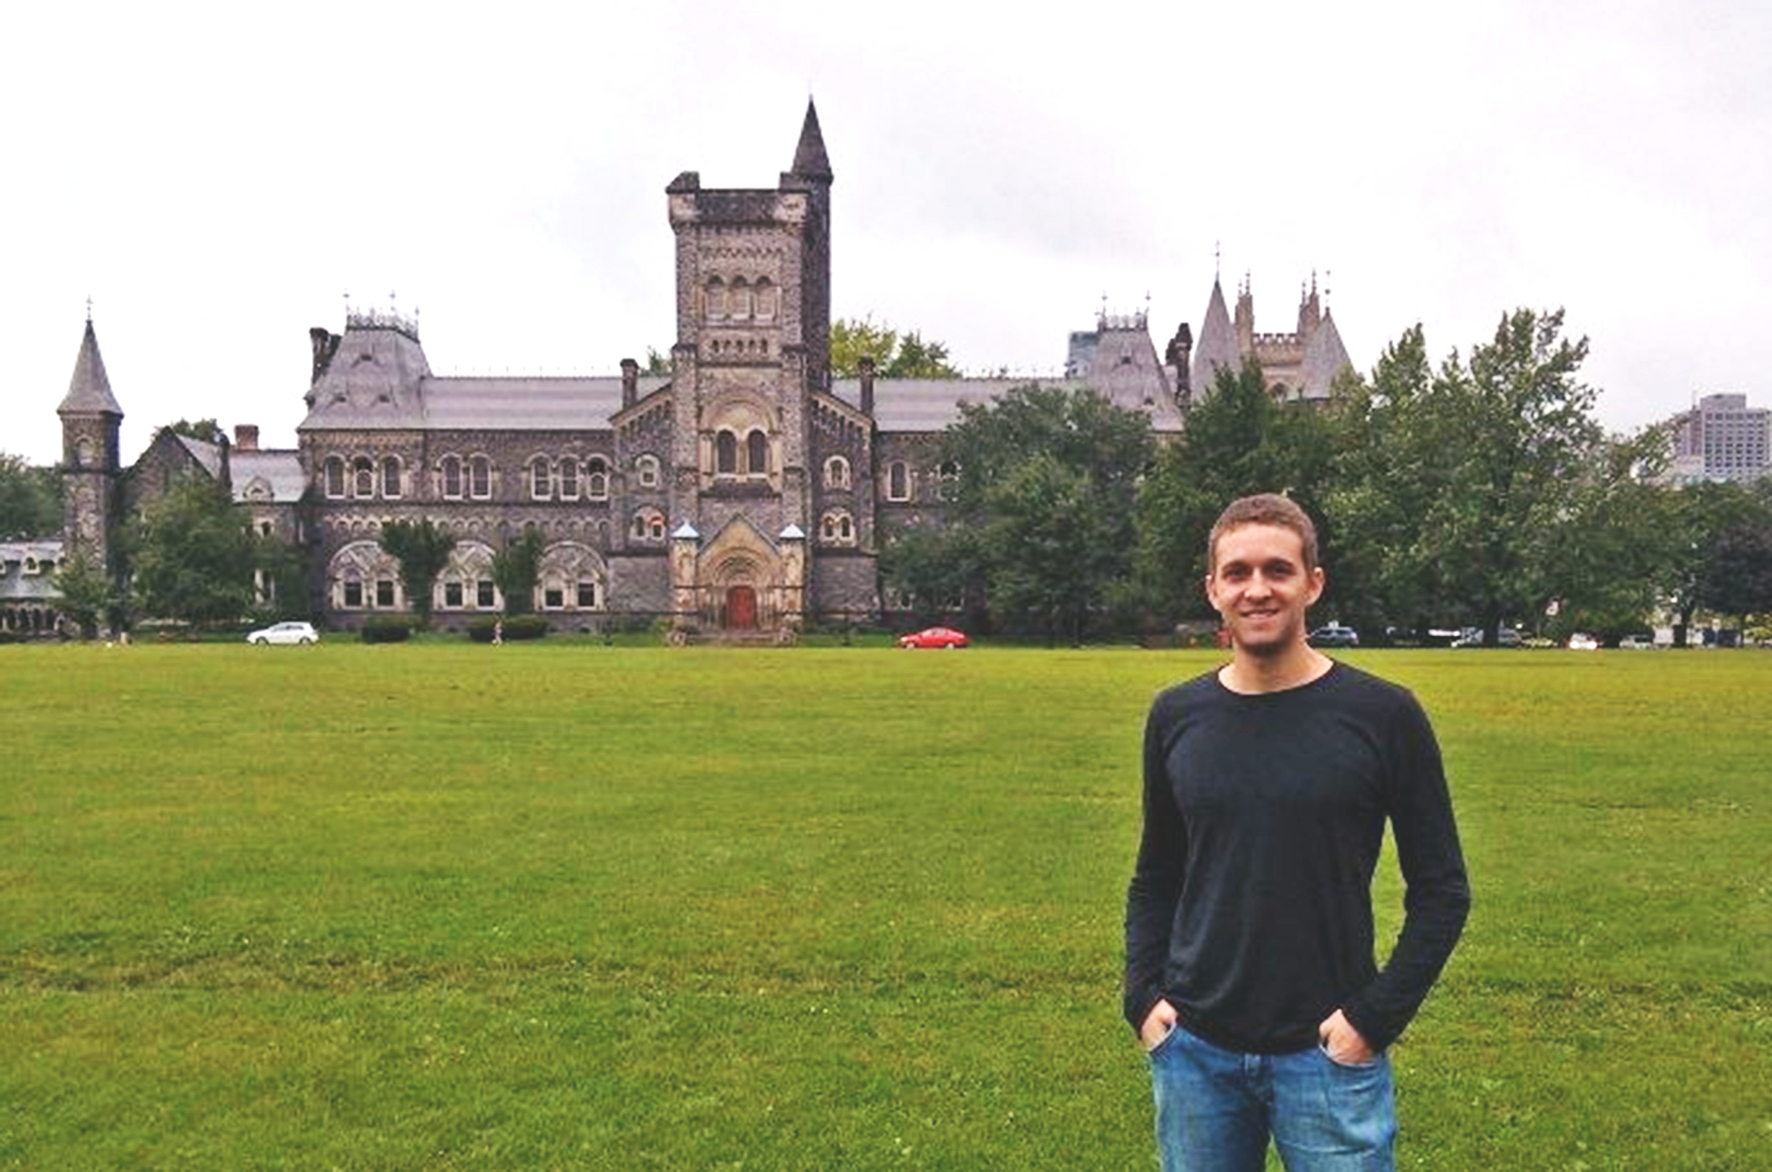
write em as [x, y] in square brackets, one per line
[741, 608]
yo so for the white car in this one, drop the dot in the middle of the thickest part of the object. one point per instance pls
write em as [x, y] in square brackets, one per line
[1582, 642]
[299, 633]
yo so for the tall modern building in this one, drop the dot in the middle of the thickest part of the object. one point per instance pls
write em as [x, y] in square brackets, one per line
[1722, 438]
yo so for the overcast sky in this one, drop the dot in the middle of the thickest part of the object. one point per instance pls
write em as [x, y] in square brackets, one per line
[217, 178]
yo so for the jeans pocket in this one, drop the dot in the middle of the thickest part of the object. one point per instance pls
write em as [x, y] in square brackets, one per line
[1372, 1063]
[1164, 1041]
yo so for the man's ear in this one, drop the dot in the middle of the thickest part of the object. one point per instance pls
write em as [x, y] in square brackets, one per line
[1318, 581]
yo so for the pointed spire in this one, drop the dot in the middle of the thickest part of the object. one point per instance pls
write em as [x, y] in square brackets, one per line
[89, 391]
[1324, 356]
[1217, 346]
[810, 161]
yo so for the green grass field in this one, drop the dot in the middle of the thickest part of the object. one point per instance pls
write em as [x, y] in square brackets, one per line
[452, 906]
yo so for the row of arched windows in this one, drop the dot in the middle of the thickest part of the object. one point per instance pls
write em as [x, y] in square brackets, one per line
[740, 300]
[471, 478]
[733, 458]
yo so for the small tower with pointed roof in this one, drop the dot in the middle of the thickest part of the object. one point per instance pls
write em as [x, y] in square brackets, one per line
[91, 423]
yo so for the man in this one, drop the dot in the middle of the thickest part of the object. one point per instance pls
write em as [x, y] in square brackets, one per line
[1250, 975]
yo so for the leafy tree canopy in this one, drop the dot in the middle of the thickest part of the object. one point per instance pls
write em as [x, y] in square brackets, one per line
[192, 555]
[207, 430]
[30, 500]
[515, 570]
[895, 355]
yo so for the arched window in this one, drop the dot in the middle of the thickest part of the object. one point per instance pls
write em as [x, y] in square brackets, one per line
[390, 477]
[335, 477]
[756, 447]
[363, 474]
[451, 477]
[725, 454]
[646, 469]
[649, 525]
[569, 479]
[597, 478]
[768, 299]
[716, 299]
[541, 479]
[837, 527]
[480, 477]
[898, 481]
[738, 304]
[836, 472]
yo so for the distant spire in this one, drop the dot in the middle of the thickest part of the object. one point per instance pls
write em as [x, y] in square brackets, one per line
[89, 391]
[810, 160]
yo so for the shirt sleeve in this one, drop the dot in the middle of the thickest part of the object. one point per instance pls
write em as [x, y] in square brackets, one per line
[1437, 895]
[1155, 890]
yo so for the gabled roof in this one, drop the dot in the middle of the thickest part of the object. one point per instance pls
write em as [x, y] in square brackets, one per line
[207, 456]
[1217, 346]
[89, 391]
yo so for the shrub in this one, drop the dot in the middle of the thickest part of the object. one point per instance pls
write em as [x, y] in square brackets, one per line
[520, 626]
[386, 629]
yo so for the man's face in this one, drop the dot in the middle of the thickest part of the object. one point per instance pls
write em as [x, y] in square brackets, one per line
[1261, 588]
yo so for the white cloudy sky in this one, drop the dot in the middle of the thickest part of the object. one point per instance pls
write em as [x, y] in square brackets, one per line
[217, 177]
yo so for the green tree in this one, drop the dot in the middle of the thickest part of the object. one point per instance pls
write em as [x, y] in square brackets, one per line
[1045, 480]
[191, 555]
[423, 550]
[656, 363]
[30, 500]
[89, 595]
[207, 430]
[1698, 516]
[895, 355]
[515, 570]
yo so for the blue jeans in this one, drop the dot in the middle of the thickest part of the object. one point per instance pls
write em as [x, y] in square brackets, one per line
[1216, 1109]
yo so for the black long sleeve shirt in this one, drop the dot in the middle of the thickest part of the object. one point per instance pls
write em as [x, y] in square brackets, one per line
[1250, 906]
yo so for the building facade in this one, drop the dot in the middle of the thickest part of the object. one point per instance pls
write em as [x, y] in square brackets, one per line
[746, 492]
[1721, 438]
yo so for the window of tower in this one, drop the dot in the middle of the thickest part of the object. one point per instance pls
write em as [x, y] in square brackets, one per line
[597, 478]
[725, 454]
[756, 446]
[363, 477]
[335, 477]
[646, 468]
[898, 481]
[739, 301]
[569, 479]
[452, 477]
[768, 300]
[390, 477]
[716, 310]
[480, 477]
[836, 472]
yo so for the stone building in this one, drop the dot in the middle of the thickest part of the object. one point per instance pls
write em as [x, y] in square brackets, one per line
[747, 491]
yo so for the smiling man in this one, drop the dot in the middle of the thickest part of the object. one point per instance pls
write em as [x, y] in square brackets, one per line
[1251, 978]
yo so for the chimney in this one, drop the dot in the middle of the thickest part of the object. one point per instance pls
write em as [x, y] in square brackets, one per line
[246, 437]
[630, 383]
[866, 366]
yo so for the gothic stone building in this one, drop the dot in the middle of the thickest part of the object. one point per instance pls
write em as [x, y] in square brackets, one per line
[747, 490]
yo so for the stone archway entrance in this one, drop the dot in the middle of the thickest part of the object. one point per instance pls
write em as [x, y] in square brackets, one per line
[741, 608]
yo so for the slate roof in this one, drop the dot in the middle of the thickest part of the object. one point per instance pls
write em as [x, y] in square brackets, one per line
[1217, 346]
[18, 586]
[90, 388]
[486, 404]
[267, 476]
[207, 455]
[1323, 359]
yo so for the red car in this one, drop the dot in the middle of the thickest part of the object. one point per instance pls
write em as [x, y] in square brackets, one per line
[944, 637]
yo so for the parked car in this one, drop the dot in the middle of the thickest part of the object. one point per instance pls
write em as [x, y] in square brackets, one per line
[1505, 637]
[943, 637]
[299, 633]
[1335, 635]
[1636, 643]
[1583, 642]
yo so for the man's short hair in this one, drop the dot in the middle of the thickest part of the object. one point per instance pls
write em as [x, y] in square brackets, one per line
[1266, 508]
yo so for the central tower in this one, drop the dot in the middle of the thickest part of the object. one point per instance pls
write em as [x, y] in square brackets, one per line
[753, 346]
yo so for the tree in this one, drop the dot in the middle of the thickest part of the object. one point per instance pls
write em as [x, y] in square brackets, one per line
[1737, 577]
[1698, 515]
[1045, 481]
[207, 430]
[894, 355]
[88, 593]
[515, 570]
[191, 555]
[30, 500]
[656, 363]
[423, 550]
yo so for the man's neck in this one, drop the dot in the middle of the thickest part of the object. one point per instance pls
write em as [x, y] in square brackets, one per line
[1293, 666]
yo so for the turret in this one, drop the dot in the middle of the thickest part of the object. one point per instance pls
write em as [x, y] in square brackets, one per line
[91, 424]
